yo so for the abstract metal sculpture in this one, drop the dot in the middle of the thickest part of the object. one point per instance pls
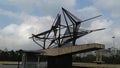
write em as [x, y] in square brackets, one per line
[55, 36]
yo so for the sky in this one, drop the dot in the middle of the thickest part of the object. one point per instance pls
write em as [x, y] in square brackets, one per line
[21, 18]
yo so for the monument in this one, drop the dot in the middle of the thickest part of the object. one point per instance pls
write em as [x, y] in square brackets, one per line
[59, 42]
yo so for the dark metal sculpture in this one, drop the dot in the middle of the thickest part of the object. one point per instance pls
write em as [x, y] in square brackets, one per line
[56, 38]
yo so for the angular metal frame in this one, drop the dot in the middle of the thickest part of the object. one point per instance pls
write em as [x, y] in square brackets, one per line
[58, 39]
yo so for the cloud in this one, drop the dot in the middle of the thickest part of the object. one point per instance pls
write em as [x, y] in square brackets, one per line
[89, 11]
[111, 6]
[104, 36]
[16, 36]
[8, 13]
[86, 13]
[116, 33]
[43, 6]
[103, 23]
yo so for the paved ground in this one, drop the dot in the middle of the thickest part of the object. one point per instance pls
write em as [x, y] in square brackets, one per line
[76, 65]
[95, 65]
[8, 66]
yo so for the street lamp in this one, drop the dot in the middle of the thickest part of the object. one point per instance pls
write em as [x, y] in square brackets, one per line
[113, 41]
[18, 60]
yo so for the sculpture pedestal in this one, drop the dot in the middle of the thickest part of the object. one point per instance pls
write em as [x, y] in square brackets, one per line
[62, 61]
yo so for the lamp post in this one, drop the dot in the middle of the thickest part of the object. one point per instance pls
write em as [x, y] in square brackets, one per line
[113, 41]
[114, 47]
[18, 60]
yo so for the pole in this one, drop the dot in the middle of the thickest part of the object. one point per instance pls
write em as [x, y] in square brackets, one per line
[18, 60]
[113, 41]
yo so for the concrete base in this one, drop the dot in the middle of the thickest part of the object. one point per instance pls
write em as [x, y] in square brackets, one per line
[63, 61]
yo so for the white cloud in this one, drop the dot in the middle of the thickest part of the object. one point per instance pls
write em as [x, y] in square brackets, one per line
[116, 31]
[89, 11]
[104, 36]
[21, 16]
[106, 4]
[44, 6]
[16, 36]
[111, 6]
[100, 24]
[86, 13]
[7, 13]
